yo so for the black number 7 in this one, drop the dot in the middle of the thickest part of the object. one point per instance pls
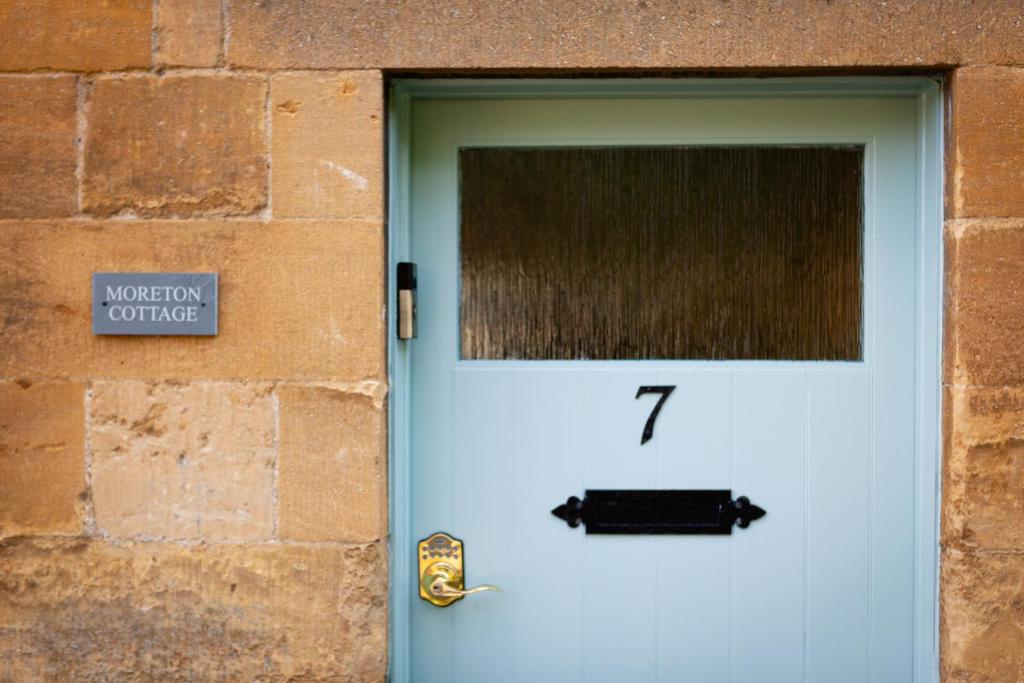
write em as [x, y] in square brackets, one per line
[664, 390]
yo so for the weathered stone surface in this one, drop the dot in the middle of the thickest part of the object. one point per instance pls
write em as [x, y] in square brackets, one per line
[982, 618]
[176, 146]
[985, 302]
[42, 457]
[73, 35]
[299, 300]
[37, 146]
[510, 34]
[188, 32]
[328, 144]
[183, 461]
[949, 300]
[332, 473]
[985, 163]
[78, 610]
[983, 490]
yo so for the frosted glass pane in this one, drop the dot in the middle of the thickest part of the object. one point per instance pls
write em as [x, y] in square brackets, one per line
[661, 252]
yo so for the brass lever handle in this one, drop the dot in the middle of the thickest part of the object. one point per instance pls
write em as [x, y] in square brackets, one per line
[441, 587]
[443, 583]
[440, 567]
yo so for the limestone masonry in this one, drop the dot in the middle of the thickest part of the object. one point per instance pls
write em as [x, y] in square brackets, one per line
[177, 509]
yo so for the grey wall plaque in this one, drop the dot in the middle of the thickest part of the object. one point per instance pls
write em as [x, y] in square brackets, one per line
[154, 303]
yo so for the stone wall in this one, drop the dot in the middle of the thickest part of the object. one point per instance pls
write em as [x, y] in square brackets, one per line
[982, 624]
[190, 508]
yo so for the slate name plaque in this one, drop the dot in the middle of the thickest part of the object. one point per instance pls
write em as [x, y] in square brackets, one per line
[154, 303]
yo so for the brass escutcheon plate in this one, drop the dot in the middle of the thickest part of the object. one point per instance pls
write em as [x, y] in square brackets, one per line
[440, 549]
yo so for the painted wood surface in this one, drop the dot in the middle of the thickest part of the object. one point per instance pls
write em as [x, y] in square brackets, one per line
[821, 589]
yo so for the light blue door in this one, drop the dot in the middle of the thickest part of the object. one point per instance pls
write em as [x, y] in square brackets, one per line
[822, 435]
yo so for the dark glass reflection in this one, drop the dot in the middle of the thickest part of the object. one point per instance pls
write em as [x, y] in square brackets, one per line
[661, 252]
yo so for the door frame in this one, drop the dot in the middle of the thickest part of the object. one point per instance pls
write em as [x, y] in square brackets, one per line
[928, 296]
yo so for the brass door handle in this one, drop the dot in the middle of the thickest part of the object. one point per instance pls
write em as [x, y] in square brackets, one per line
[444, 581]
[443, 590]
[441, 579]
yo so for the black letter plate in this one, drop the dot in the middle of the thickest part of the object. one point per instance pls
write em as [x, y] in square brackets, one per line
[658, 512]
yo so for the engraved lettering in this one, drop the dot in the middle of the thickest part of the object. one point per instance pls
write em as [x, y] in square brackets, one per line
[154, 303]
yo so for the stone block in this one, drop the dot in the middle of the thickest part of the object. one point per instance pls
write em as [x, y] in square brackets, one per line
[333, 469]
[42, 458]
[179, 145]
[985, 302]
[983, 488]
[949, 300]
[88, 610]
[591, 34]
[73, 35]
[37, 146]
[328, 144]
[985, 160]
[298, 300]
[183, 461]
[982, 618]
[188, 32]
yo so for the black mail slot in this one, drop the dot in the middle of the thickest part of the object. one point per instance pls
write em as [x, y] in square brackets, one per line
[658, 511]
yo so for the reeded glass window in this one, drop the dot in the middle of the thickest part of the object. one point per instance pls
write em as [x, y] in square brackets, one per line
[718, 253]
